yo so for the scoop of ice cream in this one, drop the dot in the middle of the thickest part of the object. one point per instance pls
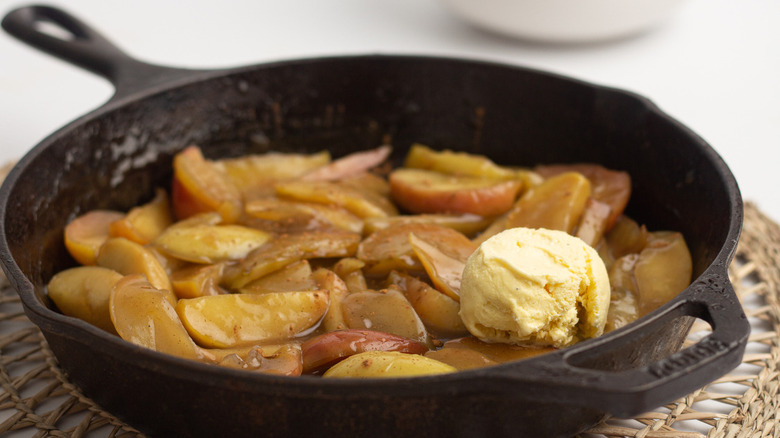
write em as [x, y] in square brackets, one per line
[534, 287]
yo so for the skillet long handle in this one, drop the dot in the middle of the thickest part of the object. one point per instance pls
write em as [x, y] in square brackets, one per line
[83, 46]
[630, 392]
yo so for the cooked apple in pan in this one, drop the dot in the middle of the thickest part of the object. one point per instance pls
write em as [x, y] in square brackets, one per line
[293, 264]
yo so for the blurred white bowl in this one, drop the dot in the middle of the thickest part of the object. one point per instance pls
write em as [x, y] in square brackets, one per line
[565, 21]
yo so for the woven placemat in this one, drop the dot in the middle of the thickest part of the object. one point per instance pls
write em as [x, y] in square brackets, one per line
[37, 399]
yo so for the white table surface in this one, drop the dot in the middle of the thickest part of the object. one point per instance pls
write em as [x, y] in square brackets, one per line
[714, 65]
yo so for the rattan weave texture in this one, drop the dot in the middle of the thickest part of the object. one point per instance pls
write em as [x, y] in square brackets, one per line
[37, 400]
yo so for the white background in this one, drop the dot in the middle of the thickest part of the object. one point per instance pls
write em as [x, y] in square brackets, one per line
[714, 65]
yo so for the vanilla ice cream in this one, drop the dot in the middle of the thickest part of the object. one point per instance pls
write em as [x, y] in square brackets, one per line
[534, 287]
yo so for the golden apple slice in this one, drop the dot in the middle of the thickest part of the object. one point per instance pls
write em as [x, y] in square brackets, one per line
[296, 276]
[328, 280]
[350, 270]
[199, 186]
[555, 204]
[425, 191]
[389, 249]
[663, 270]
[142, 315]
[292, 216]
[381, 364]
[254, 175]
[468, 224]
[611, 187]
[368, 181]
[455, 163]
[385, 311]
[144, 223]
[197, 281]
[349, 165]
[128, 257]
[626, 237]
[445, 272]
[83, 292]
[223, 321]
[439, 312]
[85, 234]
[287, 248]
[362, 203]
[210, 243]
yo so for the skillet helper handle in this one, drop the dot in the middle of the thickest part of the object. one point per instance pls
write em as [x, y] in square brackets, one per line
[79, 44]
[567, 378]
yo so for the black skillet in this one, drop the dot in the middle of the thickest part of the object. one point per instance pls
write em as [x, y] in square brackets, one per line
[115, 156]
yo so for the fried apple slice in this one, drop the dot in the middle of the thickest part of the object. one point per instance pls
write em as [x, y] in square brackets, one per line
[210, 243]
[594, 221]
[199, 186]
[83, 292]
[467, 223]
[350, 270]
[327, 349]
[556, 204]
[85, 234]
[285, 249]
[254, 175]
[385, 311]
[611, 187]
[128, 257]
[389, 249]
[284, 360]
[381, 364]
[197, 280]
[144, 223]
[663, 270]
[296, 276]
[328, 280]
[425, 191]
[444, 271]
[439, 312]
[142, 315]
[455, 163]
[224, 321]
[349, 165]
[293, 216]
[362, 203]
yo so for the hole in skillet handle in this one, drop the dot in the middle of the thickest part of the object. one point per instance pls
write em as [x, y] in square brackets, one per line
[64, 36]
[586, 375]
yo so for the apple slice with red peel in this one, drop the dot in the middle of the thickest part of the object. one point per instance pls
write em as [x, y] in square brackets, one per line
[349, 165]
[198, 186]
[85, 234]
[425, 191]
[325, 350]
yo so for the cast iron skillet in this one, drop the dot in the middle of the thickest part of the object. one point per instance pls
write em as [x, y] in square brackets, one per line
[115, 156]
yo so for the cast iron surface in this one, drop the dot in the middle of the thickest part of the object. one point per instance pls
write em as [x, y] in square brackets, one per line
[117, 155]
